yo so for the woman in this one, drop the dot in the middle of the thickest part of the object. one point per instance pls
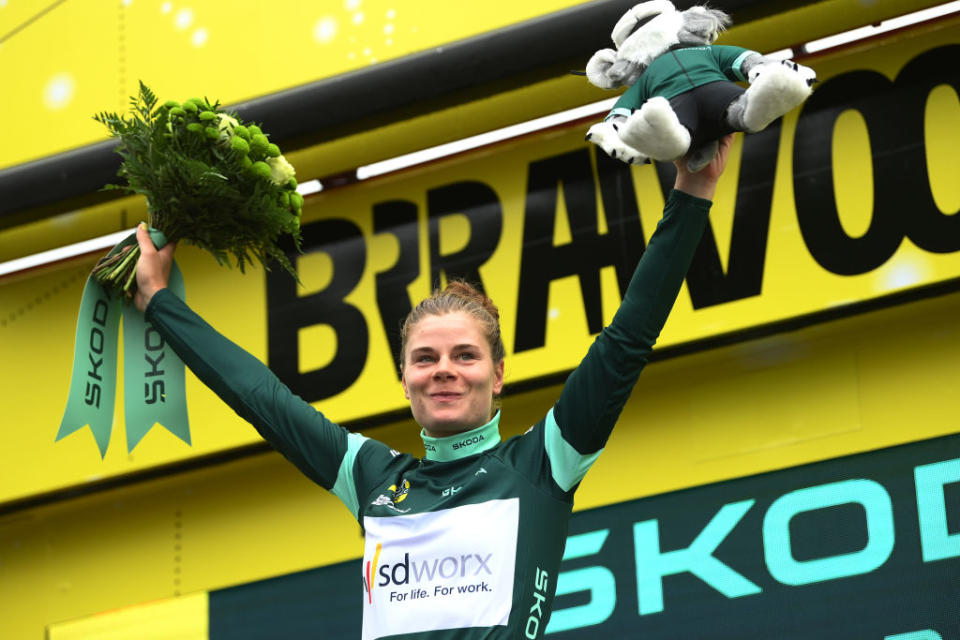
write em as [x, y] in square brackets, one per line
[466, 542]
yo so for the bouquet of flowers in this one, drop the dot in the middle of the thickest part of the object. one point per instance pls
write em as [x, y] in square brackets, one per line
[209, 179]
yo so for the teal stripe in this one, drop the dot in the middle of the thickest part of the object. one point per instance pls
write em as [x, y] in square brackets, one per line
[567, 465]
[619, 111]
[345, 488]
[738, 63]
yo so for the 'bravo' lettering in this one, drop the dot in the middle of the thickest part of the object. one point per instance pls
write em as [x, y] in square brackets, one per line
[894, 114]
[288, 312]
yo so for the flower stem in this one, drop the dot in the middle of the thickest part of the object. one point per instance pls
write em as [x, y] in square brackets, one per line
[121, 270]
[129, 287]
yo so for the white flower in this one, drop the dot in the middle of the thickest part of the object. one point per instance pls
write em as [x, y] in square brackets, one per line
[226, 125]
[281, 171]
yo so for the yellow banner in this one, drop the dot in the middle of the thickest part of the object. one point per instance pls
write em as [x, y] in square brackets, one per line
[232, 53]
[851, 199]
[252, 49]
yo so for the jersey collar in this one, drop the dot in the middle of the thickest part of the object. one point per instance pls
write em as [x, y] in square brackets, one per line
[463, 444]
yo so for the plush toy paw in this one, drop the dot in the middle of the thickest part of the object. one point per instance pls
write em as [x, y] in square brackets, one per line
[775, 89]
[606, 136]
[808, 74]
[656, 131]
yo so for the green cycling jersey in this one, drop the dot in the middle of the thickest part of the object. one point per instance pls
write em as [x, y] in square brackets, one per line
[466, 541]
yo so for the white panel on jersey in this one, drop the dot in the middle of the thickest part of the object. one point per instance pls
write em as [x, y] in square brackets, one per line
[448, 569]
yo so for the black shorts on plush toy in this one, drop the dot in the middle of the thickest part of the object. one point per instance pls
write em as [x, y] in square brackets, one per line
[682, 94]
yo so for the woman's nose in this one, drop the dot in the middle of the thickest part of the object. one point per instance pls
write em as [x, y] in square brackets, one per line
[444, 368]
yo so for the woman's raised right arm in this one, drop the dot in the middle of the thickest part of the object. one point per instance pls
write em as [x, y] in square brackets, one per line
[305, 436]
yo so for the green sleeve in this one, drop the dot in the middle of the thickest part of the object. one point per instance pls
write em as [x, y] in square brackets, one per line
[629, 101]
[595, 392]
[730, 59]
[314, 444]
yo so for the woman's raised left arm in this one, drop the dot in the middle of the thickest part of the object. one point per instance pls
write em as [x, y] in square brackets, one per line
[595, 392]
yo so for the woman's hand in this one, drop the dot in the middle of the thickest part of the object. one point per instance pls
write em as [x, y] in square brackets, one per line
[153, 268]
[703, 184]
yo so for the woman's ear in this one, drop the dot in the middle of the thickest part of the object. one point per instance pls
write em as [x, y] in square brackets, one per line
[403, 382]
[498, 378]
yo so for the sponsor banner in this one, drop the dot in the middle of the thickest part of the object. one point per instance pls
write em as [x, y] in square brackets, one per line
[441, 570]
[852, 198]
[865, 546]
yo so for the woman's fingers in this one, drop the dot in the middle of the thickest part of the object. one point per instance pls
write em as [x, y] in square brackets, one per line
[143, 239]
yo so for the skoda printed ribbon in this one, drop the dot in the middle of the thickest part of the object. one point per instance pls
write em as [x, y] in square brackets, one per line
[153, 376]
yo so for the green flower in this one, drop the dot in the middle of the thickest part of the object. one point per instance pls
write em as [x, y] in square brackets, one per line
[259, 144]
[199, 173]
[273, 150]
[262, 170]
[281, 170]
[292, 184]
[240, 145]
[296, 201]
[254, 130]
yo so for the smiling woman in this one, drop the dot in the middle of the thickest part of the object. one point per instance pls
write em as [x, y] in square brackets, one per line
[452, 360]
[465, 542]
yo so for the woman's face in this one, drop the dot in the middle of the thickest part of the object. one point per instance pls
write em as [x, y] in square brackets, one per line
[449, 375]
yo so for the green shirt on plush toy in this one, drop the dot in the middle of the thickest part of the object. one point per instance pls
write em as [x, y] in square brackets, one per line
[682, 94]
[683, 69]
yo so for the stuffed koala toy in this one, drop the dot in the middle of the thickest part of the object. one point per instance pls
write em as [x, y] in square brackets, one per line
[682, 94]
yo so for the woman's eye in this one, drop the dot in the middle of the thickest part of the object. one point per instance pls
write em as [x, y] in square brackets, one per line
[467, 356]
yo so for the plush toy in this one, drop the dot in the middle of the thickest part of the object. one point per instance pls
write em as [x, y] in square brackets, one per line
[682, 94]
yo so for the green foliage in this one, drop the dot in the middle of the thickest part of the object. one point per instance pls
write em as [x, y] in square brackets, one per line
[200, 188]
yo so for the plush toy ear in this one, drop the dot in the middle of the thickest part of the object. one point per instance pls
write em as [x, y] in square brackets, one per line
[637, 16]
[702, 25]
[597, 68]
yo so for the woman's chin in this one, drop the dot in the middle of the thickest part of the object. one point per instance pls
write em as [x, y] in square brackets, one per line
[444, 429]
[440, 426]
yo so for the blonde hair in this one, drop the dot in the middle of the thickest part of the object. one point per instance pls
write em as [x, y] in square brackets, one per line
[458, 295]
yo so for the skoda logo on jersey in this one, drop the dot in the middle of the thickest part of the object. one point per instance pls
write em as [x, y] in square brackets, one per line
[467, 442]
[411, 571]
